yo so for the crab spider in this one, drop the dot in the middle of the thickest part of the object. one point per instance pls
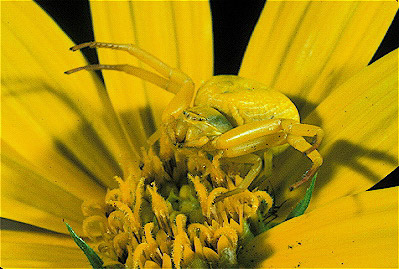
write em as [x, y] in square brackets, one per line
[232, 117]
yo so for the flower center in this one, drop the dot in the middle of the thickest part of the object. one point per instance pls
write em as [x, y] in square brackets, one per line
[167, 216]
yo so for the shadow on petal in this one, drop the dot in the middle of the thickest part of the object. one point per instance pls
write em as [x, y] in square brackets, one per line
[345, 153]
[343, 158]
[354, 231]
[82, 144]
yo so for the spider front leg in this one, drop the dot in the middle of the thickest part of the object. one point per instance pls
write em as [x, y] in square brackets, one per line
[174, 77]
[299, 143]
[170, 79]
[240, 151]
[256, 163]
[270, 133]
[296, 131]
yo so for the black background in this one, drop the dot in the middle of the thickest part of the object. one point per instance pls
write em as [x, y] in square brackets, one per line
[233, 22]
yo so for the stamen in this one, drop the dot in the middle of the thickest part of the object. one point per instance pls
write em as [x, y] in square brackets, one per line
[201, 231]
[138, 199]
[210, 255]
[160, 209]
[229, 232]
[198, 247]
[264, 196]
[144, 229]
[178, 247]
[153, 246]
[91, 208]
[201, 192]
[139, 257]
[166, 261]
[116, 221]
[223, 243]
[94, 226]
[121, 241]
[134, 225]
[211, 204]
[124, 188]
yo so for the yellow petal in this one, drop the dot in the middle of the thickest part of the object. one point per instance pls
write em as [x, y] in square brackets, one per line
[27, 143]
[36, 249]
[71, 113]
[59, 128]
[355, 231]
[31, 198]
[178, 33]
[305, 49]
[360, 121]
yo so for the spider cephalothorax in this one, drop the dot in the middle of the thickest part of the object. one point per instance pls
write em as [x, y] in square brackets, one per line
[195, 127]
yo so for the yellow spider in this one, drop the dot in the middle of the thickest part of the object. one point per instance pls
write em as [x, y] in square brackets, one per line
[232, 117]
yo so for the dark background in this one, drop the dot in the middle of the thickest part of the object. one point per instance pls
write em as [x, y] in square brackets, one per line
[233, 22]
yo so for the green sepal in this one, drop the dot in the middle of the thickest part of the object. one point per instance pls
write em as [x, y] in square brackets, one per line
[304, 203]
[247, 234]
[94, 259]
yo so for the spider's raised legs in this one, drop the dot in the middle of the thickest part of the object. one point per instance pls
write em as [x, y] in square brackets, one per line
[170, 79]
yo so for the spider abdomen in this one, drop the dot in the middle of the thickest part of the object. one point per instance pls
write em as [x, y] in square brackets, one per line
[243, 100]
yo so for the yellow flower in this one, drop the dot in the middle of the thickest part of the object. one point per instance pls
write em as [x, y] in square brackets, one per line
[65, 138]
